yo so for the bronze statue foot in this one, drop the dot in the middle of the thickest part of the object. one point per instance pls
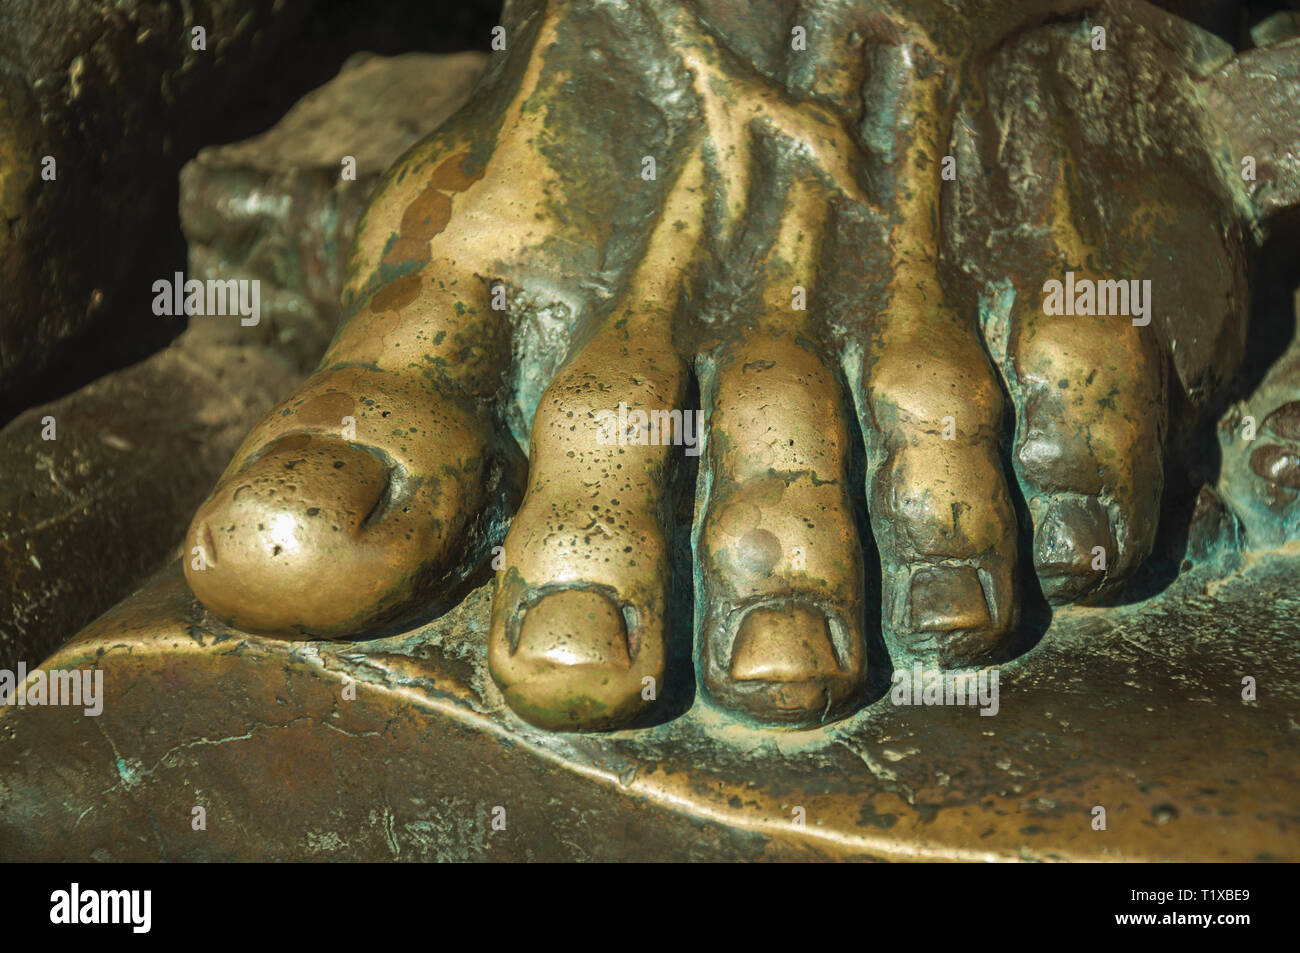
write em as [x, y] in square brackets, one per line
[590, 238]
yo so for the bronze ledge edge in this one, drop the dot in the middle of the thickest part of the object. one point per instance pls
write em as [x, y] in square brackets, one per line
[1137, 709]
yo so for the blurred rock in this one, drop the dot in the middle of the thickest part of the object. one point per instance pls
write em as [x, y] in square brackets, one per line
[276, 207]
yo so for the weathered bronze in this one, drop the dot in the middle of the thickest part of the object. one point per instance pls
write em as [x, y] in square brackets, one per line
[715, 367]
[848, 228]
[403, 748]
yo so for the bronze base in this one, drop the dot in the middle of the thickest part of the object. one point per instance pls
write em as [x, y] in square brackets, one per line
[1136, 709]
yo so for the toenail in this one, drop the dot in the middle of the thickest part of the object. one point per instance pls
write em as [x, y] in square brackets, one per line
[1285, 421]
[1277, 465]
[786, 643]
[948, 599]
[297, 441]
[283, 520]
[1066, 544]
[209, 545]
[575, 627]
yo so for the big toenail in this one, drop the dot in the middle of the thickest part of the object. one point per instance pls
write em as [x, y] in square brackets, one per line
[575, 627]
[1277, 465]
[1285, 421]
[787, 643]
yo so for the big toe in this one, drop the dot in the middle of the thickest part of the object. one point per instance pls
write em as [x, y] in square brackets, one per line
[281, 546]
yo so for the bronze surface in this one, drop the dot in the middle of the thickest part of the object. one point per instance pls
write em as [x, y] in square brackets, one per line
[772, 228]
[263, 735]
